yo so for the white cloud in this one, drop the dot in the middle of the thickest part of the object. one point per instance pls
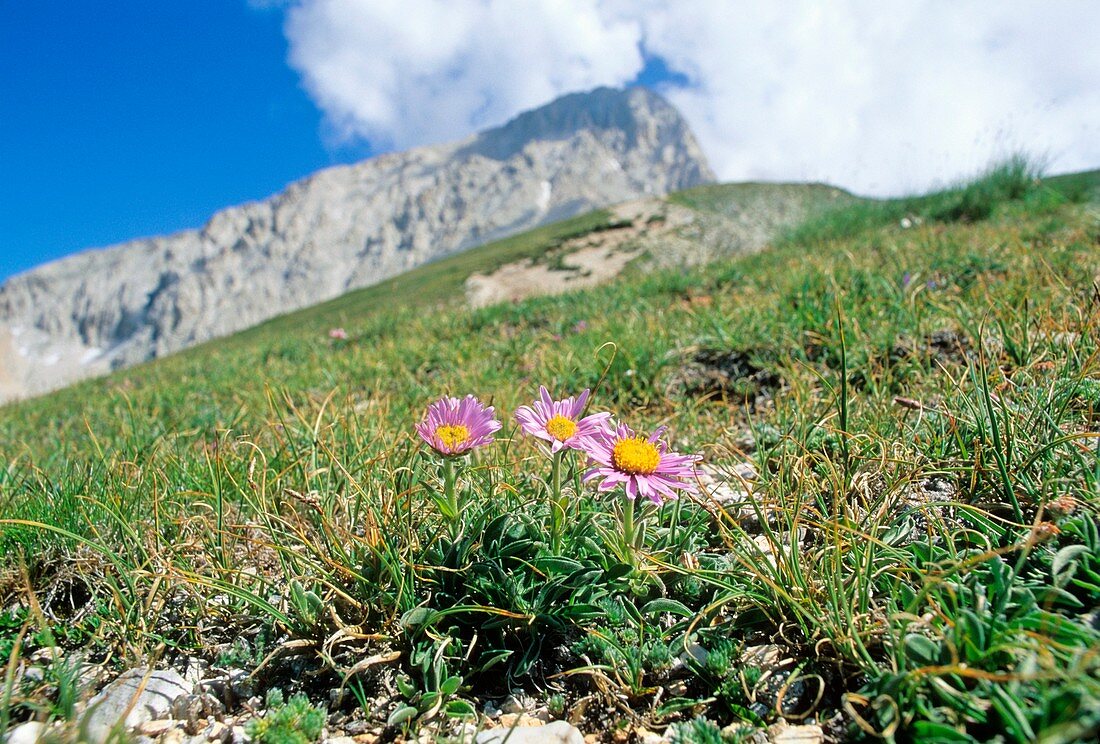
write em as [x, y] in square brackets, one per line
[879, 97]
[418, 71]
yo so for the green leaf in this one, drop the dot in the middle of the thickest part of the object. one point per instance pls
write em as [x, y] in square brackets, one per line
[632, 611]
[1012, 714]
[554, 566]
[618, 571]
[297, 593]
[1001, 576]
[1064, 557]
[306, 603]
[1052, 595]
[971, 634]
[931, 731]
[493, 658]
[662, 605]
[585, 577]
[450, 685]
[590, 546]
[746, 714]
[581, 612]
[1091, 586]
[405, 687]
[921, 649]
[401, 715]
[417, 616]
[444, 507]
[677, 705]
[897, 534]
[459, 709]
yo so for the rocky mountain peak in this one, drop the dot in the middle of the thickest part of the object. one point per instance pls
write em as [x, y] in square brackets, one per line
[629, 112]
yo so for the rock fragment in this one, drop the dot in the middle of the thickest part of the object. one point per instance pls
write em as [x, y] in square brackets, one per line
[132, 700]
[558, 732]
[26, 733]
[784, 733]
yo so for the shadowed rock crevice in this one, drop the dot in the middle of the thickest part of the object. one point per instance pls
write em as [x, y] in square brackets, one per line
[735, 375]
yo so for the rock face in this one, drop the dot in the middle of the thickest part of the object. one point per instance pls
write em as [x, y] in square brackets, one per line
[339, 229]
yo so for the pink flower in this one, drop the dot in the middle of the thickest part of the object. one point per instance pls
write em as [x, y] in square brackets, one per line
[643, 466]
[559, 422]
[338, 334]
[454, 427]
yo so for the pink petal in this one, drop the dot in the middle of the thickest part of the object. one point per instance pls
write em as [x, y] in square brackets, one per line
[582, 401]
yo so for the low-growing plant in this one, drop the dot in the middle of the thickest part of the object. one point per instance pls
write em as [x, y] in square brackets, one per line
[700, 730]
[435, 690]
[287, 721]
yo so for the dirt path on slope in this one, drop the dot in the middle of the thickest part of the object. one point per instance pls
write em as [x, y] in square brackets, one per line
[581, 262]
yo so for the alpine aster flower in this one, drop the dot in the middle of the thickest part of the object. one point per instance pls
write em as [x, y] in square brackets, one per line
[644, 466]
[559, 422]
[454, 427]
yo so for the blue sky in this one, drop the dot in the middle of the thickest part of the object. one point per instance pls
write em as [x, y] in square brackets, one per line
[127, 118]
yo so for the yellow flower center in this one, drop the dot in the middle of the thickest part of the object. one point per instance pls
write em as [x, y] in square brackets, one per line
[636, 456]
[452, 435]
[561, 428]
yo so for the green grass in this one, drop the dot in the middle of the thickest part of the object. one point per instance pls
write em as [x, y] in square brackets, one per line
[1005, 185]
[921, 545]
[735, 198]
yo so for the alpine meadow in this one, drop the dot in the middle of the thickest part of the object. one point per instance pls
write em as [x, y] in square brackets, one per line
[837, 482]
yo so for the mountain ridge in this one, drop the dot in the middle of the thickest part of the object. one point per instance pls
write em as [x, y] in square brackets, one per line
[338, 229]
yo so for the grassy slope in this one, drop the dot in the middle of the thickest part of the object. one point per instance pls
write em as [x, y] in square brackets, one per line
[961, 351]
[735, 198]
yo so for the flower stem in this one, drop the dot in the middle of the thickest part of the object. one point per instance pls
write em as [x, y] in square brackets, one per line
[557, 504]
[628, 531]
[675, 521]
[449, 495]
